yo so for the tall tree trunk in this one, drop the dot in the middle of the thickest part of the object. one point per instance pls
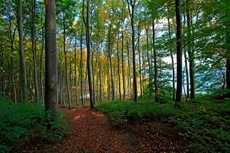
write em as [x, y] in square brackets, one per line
[129, 81]
[179, 52]
[21, 55]
[12, 66]
[123, 70]
[76, 71]
[111, 64]
[31, 85]
[67, 81]
[138, 42]
[88, 41]
[81, 65]
[34, 52]
[108, 82]
[171, 54]
[70, 80]
[94, 92]
[118, 61]
[41, 66]
[155, 63]
[134, 55]
[63, 87]
[101, 94]
[148, 58]
[191, 57]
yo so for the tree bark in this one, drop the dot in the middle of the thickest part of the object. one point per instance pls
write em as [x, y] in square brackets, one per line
[155, 63]
[67, 81]
[122, 49]
[41, 66]
[81, 65]
[138, 42]
[171, 54]
[34, 52]
[51, 58]
[118, 61]
[191, 58]
[21, 55]
[76, 71]
[179, 52]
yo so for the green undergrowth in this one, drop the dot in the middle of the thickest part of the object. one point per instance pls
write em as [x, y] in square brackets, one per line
[22, 124]
[204, 123]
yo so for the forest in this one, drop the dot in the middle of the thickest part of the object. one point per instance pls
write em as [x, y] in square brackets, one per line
[115, 76]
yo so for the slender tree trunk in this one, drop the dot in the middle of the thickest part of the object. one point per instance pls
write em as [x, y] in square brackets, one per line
[94, 92]
[41, 66]
[34, 52]
[12, 67]
[138, 42]
[155, 63]
[118, 60]
[191, 58]
[67, 81]
[111, 64]
[81, 65]
[76, 71]
[86, 92]
[134, 55]
[70, 80]
[179, 52]
[1, 74]
[108, 82]
[148, 58]
[123, 70]
[171, 54]
[21, 55]
[63, 86]
[31, 86]
[101, 94]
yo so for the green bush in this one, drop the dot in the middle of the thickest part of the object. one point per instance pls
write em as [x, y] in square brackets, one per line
[22, 122]
[206, 124]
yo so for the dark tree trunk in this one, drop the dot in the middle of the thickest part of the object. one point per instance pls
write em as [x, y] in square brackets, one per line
[66, 68]
[81, 65]
[108, 82]
[155, 63]
[138, 42]
[118, 58]
[171, 54]
[51, 58]
[76, 72]
[179, 52]
[34, 52]
[21, 55]
[191, 58]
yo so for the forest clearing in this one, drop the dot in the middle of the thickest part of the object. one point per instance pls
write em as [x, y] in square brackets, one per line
[114, 76]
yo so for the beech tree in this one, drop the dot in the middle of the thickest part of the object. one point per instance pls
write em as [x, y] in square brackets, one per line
[50, 57]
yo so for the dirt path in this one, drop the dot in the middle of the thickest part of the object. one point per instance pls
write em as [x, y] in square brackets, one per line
[94, 133]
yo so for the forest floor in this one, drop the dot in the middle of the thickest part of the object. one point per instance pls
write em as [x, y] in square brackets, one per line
[93, 132]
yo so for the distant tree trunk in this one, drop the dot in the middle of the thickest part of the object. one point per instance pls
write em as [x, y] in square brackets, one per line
[12, 65]
[191, 58]
[108, 82]
[86, 92]
[34, 52]
[70, 80]
[76, 71]
[101, 94]
[51, 58]
[171, 54]
[148, 58]
[155, 63]
[97, 87]
[123, 70]
[41, 66]
[127, 45]
[63, 94]
[138, 42]
[118, 58]
[67, 81]
[21, 55]
[31, 85]
[179, 52]
[94, 92]
[111, 64]
[81, 65]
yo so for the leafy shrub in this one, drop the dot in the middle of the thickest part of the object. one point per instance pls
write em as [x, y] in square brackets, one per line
[23, 122]
[206, 124]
